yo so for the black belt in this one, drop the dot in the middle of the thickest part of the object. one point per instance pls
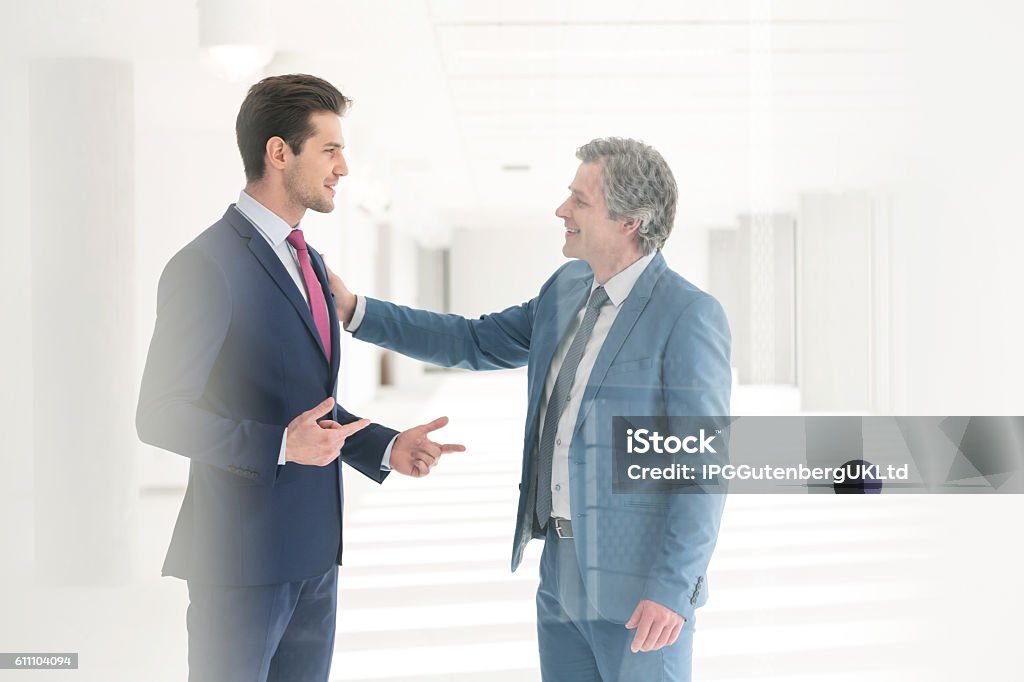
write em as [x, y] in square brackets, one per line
[563, 527]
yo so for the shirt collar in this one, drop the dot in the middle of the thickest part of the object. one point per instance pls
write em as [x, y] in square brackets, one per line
[621, 283]
[269, 224]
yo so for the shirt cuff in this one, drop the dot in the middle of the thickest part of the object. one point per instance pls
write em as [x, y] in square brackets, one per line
[284, 442]
[357, 319]
[385, 464]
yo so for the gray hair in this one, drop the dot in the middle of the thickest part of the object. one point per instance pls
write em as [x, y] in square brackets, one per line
[637, 183]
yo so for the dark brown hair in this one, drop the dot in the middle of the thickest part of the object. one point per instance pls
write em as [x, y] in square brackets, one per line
[281, 106]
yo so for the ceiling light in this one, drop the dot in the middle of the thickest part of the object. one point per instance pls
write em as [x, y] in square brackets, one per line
[236, 37]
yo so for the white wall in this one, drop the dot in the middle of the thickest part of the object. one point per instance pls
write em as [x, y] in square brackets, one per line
[958, 219]
[492, 269]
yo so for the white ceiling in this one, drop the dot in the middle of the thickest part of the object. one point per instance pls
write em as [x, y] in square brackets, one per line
[750, 101]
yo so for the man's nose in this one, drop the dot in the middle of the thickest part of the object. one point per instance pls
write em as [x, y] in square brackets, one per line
[562, 211]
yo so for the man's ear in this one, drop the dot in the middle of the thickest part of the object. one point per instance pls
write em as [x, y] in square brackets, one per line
[631, 226]
[277, 151]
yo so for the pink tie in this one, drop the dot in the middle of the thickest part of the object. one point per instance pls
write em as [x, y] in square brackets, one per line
[317, 303]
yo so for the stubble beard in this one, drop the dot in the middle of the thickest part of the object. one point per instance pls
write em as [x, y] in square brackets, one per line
[307, 198]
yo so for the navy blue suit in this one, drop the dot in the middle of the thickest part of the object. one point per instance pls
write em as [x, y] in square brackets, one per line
[235, 356]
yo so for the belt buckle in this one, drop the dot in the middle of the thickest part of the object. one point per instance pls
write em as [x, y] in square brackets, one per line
[564, 532]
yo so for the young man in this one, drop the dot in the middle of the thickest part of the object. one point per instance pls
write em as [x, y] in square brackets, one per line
[614, 333]
[241, 378]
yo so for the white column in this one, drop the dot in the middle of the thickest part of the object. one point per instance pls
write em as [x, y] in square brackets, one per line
[752, 274]
[16, 483]
[82, 259]
[844, 320]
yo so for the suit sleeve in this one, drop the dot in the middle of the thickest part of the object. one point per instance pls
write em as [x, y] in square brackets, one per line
[364, 450]
[696, 381]
[193, 317]
[497, 341]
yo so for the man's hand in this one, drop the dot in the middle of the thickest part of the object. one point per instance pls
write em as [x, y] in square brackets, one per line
[656, 626]
[344, 300]
[414, 454]
[318, 443]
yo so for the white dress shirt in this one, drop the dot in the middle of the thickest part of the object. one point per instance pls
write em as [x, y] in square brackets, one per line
[275, 230]
[618, 288]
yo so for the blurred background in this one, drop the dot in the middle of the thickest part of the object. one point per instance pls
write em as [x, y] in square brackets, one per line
[849, 178]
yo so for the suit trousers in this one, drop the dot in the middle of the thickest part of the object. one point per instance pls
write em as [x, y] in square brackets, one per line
[578, 645]
[264, 633]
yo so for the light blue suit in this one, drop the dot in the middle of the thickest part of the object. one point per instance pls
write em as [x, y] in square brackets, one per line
[666, 355]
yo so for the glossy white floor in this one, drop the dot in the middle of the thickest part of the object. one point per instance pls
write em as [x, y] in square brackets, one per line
[804, 588]
[801, 586]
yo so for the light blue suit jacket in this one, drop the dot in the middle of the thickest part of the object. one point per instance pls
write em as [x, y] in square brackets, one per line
[666, 355]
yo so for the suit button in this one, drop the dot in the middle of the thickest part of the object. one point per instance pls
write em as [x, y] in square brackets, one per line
[557, 487]
[558, 441]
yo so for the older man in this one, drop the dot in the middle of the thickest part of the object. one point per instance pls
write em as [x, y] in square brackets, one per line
[613, 333]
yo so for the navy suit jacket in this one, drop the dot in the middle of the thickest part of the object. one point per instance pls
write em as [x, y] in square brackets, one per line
[235, 356]
[666, 356]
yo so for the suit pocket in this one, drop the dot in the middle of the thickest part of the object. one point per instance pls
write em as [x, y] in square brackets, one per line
[649, 504]
[631, 366]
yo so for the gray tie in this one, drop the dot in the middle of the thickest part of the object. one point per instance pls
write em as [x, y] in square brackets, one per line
[558, 399]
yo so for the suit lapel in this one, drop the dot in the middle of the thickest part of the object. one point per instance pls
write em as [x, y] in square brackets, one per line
[632, 307]
[272, 264]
